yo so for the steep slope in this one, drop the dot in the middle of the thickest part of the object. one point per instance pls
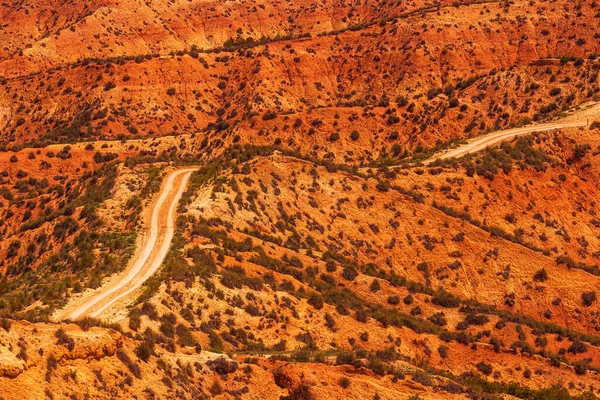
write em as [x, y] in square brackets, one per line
[323, 249]
[402, 85]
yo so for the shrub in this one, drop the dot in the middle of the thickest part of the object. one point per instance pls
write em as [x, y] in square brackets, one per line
[109, 85]
[588, 298]
[344, 382]
[268, 115]
[302, 392]
[132, 366]
[361, 316]
[541, 275]
[484, 368]
[383, 186]
[316, 301]
[134, 320]
[185, 336]
[443, 351]
[438, 318]
[577, 347]
[5, 324]
[106, 157]
[445, 299]
[581, 367]
[144, 350]
[350, 273]
[280, 346]
[375, 286]
[216, 389]
[476, 319]
[223, 366]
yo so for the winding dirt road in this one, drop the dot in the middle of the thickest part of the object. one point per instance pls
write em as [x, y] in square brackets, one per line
[154, 245]
[578, 117]
[500, 136]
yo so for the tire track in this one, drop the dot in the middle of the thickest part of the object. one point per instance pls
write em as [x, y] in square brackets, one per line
[146, 259]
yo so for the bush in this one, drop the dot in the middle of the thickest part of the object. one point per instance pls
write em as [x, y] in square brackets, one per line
[443, 351]
[350, 273]
[438, 319]
[223, 366]
[301, 392]
[316, 301]
[484, 368]
[344, 382]
[383, 186]
[445, 299]
[185, 336]
[588, 298]
[216, 389]
[375, 286]
[171, 91]
[144, 350]
[5, 324]
[268, 115]
[133, 367]
[476, 319]
[577, 347]
[581, 367]
[134, 320]
[541, 275]
[102, 158]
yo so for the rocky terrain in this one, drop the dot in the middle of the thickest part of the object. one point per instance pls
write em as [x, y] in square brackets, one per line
[322, 247]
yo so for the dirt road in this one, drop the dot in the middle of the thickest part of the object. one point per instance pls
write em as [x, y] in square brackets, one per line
[500, 136]
[153, 247]
[581, 116]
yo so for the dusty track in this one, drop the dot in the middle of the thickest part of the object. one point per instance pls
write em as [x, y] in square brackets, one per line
[155, 243]
[500, 136]
[578, 118]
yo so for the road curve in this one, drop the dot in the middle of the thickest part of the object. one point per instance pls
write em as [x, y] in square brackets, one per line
[147, 258]
[500, 136]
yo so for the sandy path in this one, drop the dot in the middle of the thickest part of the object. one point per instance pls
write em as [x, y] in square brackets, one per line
[500, 136]
[146, 260]
[580, 117]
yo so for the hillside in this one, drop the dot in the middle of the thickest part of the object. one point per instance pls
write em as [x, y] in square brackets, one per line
[324, 246]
